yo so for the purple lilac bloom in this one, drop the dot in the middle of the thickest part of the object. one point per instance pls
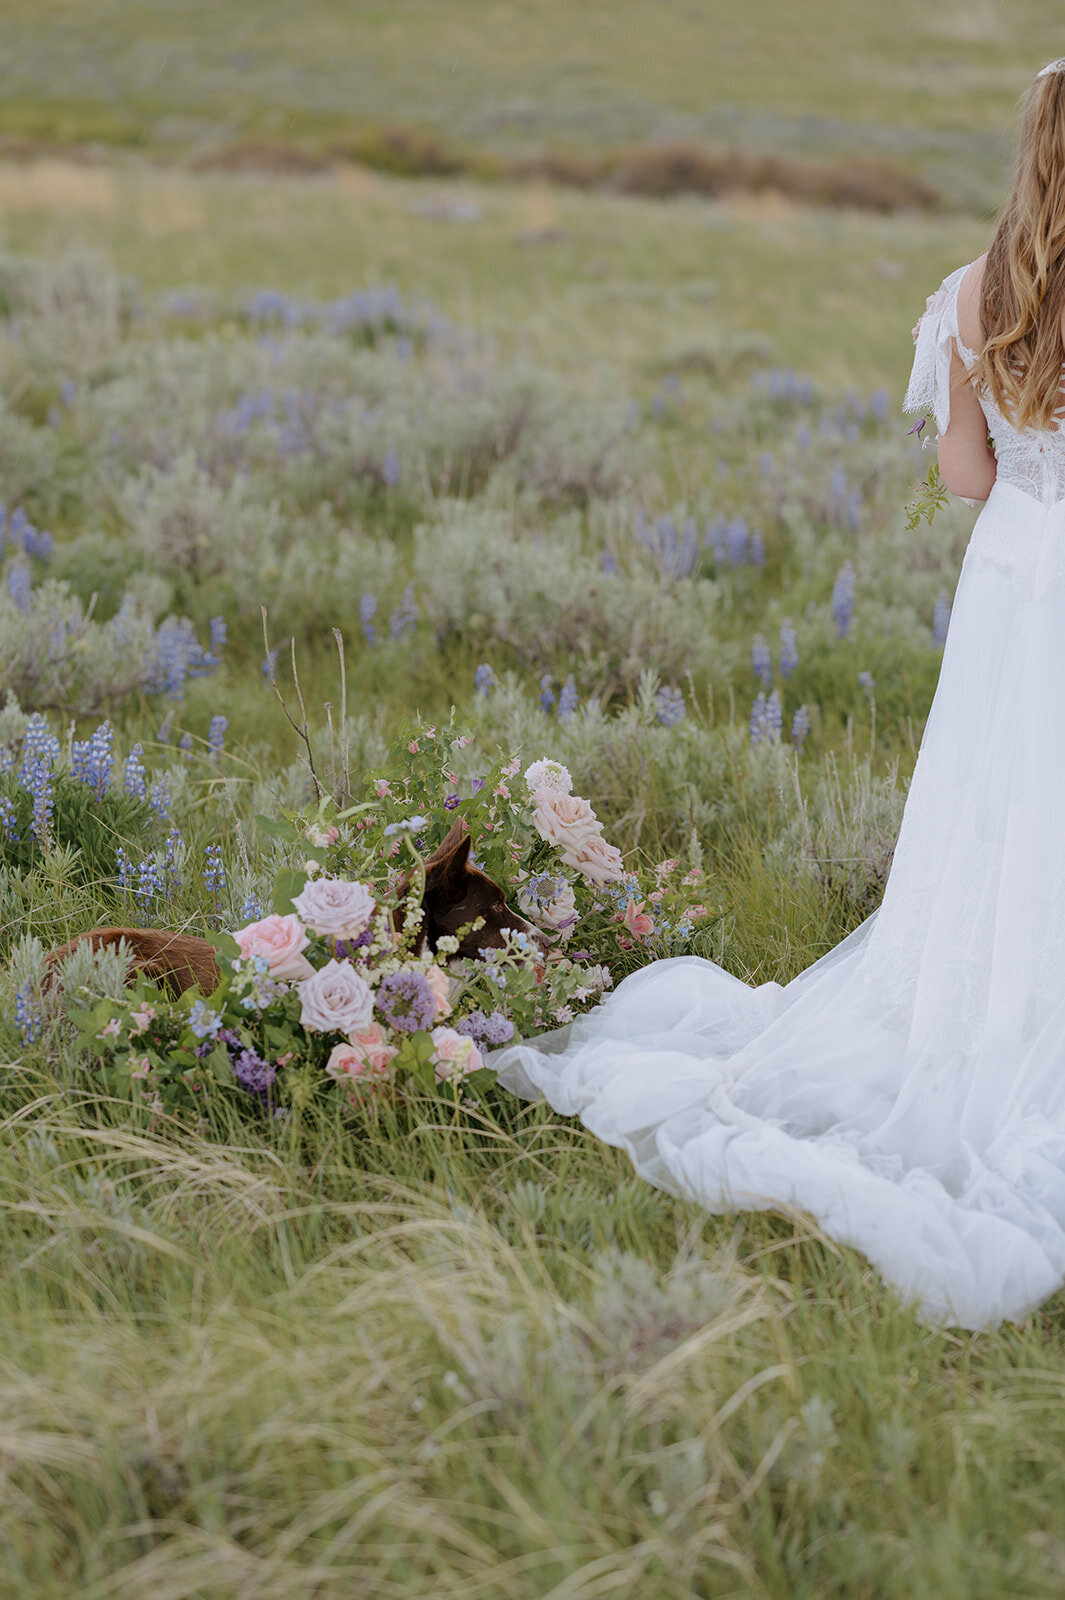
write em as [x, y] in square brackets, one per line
[941, 618]
[670, 705]
[800, 727]
[789, 652]
[761, 660]
[567, 699]
[843, 599]
[406, 1002]
[28, 1023]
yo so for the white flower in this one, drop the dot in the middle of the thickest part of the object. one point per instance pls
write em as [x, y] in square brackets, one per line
[335, 908]
[548, 774]
[335, 1000]
[558, 915]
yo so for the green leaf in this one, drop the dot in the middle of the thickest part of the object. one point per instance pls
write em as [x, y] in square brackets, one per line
[274, 828]
[287, 886]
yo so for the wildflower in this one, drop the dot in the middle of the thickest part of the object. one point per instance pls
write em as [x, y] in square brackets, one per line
[159, 799]
[405, 616]
[141, 1017]
[112, 1029]
[918, 426]
[217, 633]
[149, 883]
[843, 599]
[37, 777]
[18, 587]
[254, 1074]
[774, 715]
[789, 653]
[484, 679]
[216, 734]
[214, 872]
[410, 824]
[125, 869]
[451, 801]
[636, 919]
[497, 1029]
[548, 774]
[8, 819]
[670, 706]
[473, 1025]
[204, 1022]
[547, 694]
[390, 468]
[367, 612]
[800, 727]
[867, 681]
[406, 1001]
[567, 699]
[28, 1023]
[941, 618]
[134, 773]
[758, 720]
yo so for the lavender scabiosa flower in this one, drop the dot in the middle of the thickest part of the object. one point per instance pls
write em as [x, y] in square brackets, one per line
[406, 1001]
[216, 734]
[800, 727]
[8, 819]
[367, 612]
[28, 1023]
[254, 1074]
[761, 660]
[134, 773]
[214, 872]
[941, 618]
[567, 699]
[484, 679]
[670, 705]
[843, 599]
[789, 652]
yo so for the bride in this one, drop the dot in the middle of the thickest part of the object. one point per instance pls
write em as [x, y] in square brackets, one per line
[908, 1089]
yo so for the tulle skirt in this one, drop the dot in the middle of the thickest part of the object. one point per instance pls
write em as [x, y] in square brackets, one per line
[908, 1089]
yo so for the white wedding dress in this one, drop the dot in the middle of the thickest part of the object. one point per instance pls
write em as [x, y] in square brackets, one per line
[908, 1089]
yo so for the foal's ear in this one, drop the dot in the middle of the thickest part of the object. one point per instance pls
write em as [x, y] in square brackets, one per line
[447, 864]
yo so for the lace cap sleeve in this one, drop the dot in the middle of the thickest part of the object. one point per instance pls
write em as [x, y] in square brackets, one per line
[929, 386]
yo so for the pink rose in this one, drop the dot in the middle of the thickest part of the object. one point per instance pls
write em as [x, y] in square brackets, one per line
[335, 1000]
[564, 820]
[440, 986]
[367, 1057]
[280, 940]
[637, 921]
[335, 908]
[454, 1054]
[598, 861]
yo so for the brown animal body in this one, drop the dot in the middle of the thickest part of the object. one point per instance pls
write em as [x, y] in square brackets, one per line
[455, 893]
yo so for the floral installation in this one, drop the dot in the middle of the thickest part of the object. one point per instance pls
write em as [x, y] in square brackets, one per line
[336, 990]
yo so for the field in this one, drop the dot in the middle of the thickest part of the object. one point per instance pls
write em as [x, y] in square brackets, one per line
[645, 461]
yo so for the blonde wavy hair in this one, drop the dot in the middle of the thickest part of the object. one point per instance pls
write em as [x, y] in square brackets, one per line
[1023, 290]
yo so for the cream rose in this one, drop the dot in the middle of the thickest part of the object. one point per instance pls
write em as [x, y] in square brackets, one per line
[280, 940]
[335, 908]
[335, 1000]
[367, 1056]
[596, 860]
[564, 820]
[440, 985]
[454, 1054]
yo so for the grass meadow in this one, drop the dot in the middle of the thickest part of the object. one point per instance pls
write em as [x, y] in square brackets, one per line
[651, 448]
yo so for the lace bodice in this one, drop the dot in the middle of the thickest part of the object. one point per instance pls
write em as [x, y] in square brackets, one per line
[1031, 459]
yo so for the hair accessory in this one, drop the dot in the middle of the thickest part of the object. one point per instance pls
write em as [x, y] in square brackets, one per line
[1052, 66]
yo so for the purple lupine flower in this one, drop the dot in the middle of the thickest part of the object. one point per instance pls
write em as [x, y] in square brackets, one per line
[867, 681]
[757, 550]
[761, 660]
[19, 587]
[547, 694]
[736, 542]
[406, 1002]
[39, 781]
[149, 883]
[567, 699]
[8, 819]
[405, 616]
[124, 879]
[670, 705]
[185, 744]
[800, 727]
[252, 908]
[484, 679]
[173, 840]
[367, 612]
[28, 1021]
[789, 651]
[214, 872]
[159, 799]
[843, 591]
[758, 720]
[134, 774]
[941, 618]
[219, 631]
[390, 468]
[774, 716]
[216, 734]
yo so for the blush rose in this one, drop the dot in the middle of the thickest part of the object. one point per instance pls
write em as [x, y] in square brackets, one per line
[335, 1000]
[366, 1056]
[280, 940]
[335, 908]
[454, 1054]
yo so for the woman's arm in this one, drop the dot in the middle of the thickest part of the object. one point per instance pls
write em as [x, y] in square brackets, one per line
[966, 461]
